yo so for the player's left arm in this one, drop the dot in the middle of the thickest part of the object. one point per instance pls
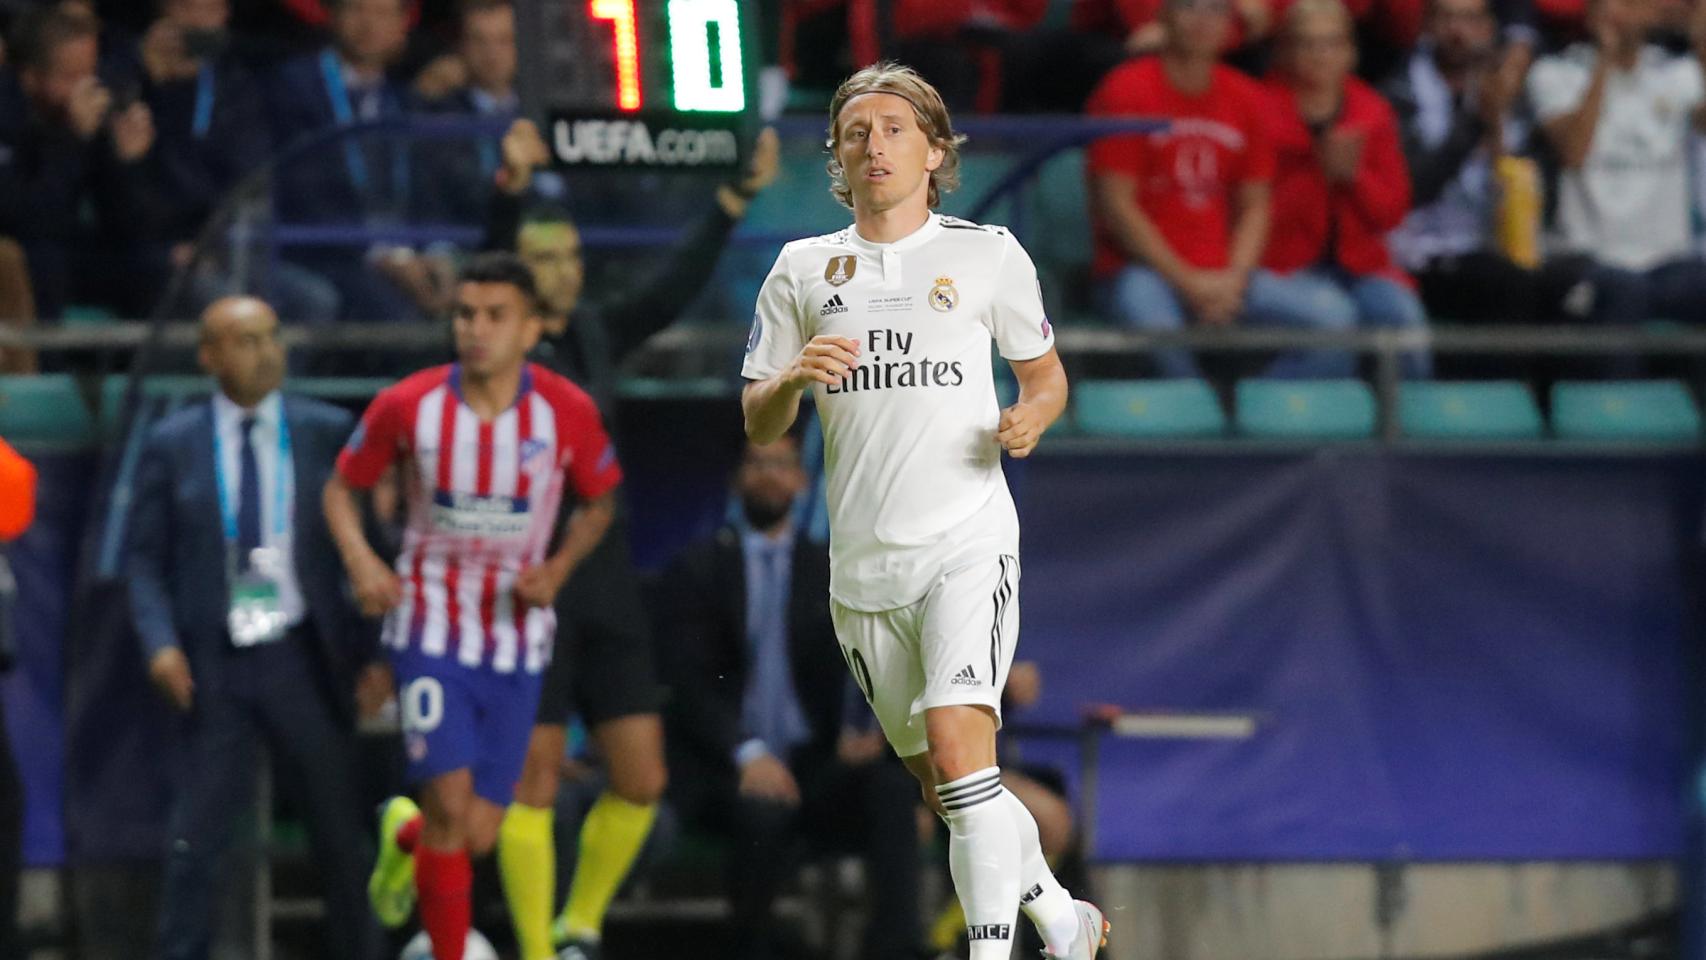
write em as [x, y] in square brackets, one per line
[1019, 323]
[538, 585]
[593, 474]
[1042, 399]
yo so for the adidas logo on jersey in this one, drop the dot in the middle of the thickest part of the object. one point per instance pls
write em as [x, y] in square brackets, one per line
[832, 306]
[965, 678]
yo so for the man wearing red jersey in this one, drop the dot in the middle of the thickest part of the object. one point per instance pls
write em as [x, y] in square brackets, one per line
[1181, 214]
[486, 446]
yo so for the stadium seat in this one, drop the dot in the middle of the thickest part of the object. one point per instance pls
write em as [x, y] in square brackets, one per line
[44, 408]
[1305, 409]
[1640, 410]
[177, 386]
[1493, 410]
[1148, 408]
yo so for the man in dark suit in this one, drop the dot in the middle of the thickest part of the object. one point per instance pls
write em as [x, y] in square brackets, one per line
[237, 595]
[764, 737]
[356, 179]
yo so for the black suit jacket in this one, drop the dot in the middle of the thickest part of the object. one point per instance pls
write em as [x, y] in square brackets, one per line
[176, 558]
[702, 642]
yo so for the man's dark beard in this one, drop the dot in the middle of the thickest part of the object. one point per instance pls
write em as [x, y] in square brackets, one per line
[762, 513]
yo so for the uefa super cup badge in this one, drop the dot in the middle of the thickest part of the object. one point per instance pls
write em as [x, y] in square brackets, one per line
[943, 296]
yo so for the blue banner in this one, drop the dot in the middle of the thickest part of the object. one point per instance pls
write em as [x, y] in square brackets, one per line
[1448, 657]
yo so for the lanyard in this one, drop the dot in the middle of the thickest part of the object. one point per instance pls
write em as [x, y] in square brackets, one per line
[203, 102]
[227, 506]
[333, 76]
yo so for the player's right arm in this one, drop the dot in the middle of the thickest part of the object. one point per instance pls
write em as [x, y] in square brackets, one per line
[370, 450]
[783, 360]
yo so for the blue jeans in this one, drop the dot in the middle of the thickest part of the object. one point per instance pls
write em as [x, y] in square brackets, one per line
[1138, 298]
[1378, 302]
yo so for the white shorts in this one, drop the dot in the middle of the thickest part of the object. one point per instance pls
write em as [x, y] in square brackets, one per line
[954, 646]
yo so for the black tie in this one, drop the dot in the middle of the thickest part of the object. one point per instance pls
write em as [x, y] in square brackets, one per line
[248, 498]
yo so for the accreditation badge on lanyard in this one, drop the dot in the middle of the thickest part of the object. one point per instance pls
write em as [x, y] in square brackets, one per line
[255, 614]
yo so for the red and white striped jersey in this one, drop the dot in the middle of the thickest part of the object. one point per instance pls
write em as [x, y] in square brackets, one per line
[482, 506]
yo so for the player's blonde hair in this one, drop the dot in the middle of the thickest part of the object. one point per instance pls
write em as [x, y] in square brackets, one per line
[927, 107]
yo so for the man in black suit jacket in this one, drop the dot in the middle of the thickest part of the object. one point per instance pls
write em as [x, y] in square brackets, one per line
[238, 597]
[360, 178]
[766, 740]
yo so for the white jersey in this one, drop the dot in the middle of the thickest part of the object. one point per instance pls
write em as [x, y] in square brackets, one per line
[914, 472]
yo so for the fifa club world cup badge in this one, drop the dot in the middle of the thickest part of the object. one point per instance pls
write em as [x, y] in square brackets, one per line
[839, 270]
[943, 296]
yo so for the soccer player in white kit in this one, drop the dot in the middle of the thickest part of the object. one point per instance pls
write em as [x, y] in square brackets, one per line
[889, 323]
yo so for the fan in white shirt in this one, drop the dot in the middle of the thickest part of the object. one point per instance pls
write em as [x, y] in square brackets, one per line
[890, 324]
[1620, 113]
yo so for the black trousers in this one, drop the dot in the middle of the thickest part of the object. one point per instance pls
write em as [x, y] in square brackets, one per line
[273, 694]
[866, 810]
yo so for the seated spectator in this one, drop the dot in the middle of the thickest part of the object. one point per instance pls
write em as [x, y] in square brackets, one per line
[212, 132]
[1339, 177]
[357, 180]
[462, 172]
[208, 112]
[1181, 214]
[17, 305]
[67, 143]
[1619, 113]
[758, 747]
[1458, 124]
[1141, 28]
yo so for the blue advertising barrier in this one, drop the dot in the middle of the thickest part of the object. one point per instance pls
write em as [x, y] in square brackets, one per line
[1448, 657]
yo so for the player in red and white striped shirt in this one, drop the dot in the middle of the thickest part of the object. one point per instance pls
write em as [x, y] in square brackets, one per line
[485, 447]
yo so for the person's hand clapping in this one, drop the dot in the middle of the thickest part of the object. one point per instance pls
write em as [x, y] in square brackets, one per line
[1340, 154]
[87, 108]
[826, 359]
[133, 132]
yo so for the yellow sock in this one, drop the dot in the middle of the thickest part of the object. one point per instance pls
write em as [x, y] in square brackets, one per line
[611, 838]
[528, 863]
[945, 933]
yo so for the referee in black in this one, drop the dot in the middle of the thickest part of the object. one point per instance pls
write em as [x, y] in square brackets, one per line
[604, 663]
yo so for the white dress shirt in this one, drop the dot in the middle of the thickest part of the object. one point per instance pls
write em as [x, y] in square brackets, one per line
[228, 420]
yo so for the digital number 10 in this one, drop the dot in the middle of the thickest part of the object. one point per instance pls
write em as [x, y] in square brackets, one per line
[704, 53]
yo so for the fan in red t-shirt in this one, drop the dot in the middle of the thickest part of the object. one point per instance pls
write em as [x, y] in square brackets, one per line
[1181, 214]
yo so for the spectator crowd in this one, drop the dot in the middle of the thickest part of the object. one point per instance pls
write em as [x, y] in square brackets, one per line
[1325, 164]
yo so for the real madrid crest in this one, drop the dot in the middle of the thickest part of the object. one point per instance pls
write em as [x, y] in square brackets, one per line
[839, 270]
[943, 296]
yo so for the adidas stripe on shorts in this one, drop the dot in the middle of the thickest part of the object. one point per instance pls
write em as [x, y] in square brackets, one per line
[954, 646]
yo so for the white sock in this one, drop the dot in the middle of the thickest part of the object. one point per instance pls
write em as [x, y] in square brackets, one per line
[1041, 896]
[984, 858]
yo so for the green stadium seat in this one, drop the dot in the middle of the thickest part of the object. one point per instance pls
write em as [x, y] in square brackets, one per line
[83, 314]
[175, 386]
[44, 408]
[1305, 409]
[1492, 410]
[1148, 408]
[1638, 410]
